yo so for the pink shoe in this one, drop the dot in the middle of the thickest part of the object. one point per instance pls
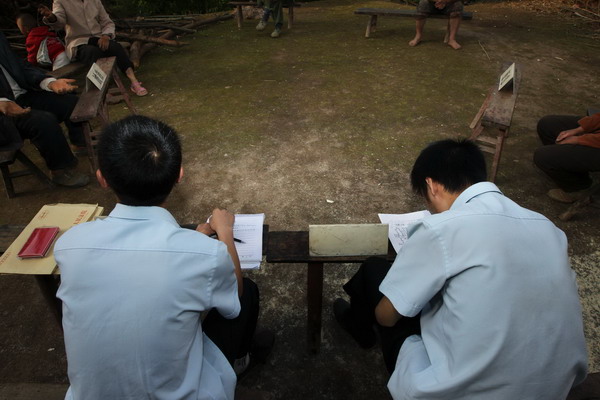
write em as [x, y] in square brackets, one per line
[138, 89]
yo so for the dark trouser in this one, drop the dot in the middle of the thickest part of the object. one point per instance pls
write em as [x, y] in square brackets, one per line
[274, 8]
[234, 336]
[363, 289]
[568, 165]
[89, 53]
[42, 126]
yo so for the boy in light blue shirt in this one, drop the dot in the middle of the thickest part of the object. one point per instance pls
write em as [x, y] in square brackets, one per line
[480, 303]
[134, 285]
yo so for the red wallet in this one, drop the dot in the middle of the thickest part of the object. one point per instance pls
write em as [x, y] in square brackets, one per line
[39, 242]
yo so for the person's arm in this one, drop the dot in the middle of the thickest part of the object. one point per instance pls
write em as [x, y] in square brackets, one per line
[221, 222]
[108, 26]
[586, 134]
[57, 18]
[386, 314]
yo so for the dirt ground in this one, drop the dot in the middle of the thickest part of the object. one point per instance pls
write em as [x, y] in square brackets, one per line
[322, 126]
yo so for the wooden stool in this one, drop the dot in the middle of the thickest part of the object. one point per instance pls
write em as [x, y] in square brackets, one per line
[7, 158]
[491, 124]
[93, 104]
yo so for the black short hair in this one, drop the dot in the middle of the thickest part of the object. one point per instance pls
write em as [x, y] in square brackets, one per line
[140, 158]
[456, 164]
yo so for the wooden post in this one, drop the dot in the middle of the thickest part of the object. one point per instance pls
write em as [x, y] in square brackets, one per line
[314, 297]
[239, 15]
[291, 15]
[371, 26]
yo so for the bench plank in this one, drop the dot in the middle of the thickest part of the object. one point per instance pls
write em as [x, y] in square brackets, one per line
[403, 13]
[90, 101]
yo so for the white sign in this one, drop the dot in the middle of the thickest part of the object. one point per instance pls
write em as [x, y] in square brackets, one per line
[507, 77]
[96, 76]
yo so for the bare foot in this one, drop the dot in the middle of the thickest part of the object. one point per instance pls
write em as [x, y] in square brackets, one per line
[454, 44]
[415, 41]
[446, 38]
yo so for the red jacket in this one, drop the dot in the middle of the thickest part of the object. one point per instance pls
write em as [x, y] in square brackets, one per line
[34, 39]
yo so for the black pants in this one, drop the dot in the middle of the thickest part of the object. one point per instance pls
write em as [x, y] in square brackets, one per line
[363, 289]
[89, 53]
[42, 126]
[568, 165]
[234, 336]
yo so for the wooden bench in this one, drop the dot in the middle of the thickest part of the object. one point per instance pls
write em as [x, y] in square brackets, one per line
[492, 122]
[292, 247]
[10, 154]
[239, 16]
[93, 104]
[384, 12]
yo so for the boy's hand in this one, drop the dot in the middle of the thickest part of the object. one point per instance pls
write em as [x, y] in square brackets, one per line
[205, 228]
[221, 221]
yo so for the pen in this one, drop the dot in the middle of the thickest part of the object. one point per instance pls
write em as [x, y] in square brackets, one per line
[214, 235]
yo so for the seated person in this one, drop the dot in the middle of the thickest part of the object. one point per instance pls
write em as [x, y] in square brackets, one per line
[452, 8]
[480, 302]
[35, 35]
[90, 35]
[34, 104]
[134, 285]
[570, 151]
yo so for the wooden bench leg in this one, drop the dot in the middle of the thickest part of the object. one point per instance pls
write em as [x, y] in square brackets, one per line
[239, 16]
[124, 92]
[497, 155]
[314, 297]
[10, 189]
[33, 168]
[371, 26]
[290, 16]
[48, 285]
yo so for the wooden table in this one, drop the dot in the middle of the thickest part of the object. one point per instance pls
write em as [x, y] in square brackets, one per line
[292, 247]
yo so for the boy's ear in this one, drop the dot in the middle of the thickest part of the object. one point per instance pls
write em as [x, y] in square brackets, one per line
[180, 175]
[101, 179]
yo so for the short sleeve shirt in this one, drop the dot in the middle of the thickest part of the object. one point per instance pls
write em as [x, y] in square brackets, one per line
[500, 318]
[133, 287]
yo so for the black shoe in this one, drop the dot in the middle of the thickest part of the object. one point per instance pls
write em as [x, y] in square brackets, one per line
[341, 310]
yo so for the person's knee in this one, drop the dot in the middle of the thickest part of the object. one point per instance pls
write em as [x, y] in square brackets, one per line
[544, 123]
[250, 288]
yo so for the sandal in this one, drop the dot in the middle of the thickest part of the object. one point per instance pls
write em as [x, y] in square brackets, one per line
[138, 89]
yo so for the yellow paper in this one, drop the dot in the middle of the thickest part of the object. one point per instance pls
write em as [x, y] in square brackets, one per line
[62, 215]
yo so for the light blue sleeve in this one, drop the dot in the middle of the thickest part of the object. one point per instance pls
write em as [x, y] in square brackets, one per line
[418, 272]
[224, 285]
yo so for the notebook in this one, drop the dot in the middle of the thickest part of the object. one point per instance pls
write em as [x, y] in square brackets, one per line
[39, 242]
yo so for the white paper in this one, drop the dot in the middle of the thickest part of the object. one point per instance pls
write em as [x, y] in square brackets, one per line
[249, 229]
[398, 226]
[96, 76]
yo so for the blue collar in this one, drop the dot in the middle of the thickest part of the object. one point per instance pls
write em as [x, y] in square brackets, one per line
[473, 191]
[122, 211]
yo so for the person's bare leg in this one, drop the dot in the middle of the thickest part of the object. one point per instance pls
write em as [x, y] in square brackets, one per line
[420, 24]
[453, 24]
[131, 75]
